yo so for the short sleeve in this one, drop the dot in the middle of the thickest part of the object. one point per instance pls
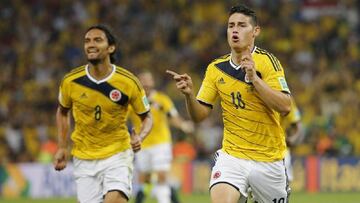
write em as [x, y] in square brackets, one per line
[275, 76]
[139, 101]
[64, 94]
[169, 107]
[208, 91]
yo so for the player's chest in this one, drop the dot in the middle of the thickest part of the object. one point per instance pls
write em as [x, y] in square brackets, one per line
[229, 86]
[157, 108]
[100, 95]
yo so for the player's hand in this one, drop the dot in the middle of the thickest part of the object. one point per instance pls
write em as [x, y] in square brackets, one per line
[60, 159]
[188, 127]
[135, 141]
[183, 82]
[248, 65]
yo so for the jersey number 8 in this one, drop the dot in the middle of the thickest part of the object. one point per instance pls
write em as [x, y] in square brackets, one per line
[97, 112]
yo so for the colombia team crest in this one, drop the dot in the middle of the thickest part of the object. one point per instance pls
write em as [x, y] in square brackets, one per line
[115, 95]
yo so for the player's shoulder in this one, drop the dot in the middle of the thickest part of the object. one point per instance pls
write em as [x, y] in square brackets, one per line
[161, 95]
[224, 59]
[127, 75]
[75, 73]
[123, 71]
[221, 59]
[162, 98]
[267, 57]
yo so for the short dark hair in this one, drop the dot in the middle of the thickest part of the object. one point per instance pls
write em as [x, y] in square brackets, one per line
[244, 10]
[110, 38]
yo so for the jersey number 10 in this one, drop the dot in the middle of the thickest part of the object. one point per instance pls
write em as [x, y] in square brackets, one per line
[281, 200]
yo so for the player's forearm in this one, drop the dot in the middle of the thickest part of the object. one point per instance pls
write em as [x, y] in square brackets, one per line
[184, 125]
[146, 126]
[197, 111]
[176, 121]
[63, 124]
[276, 100]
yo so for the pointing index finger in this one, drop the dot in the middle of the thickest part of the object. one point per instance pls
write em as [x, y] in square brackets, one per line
[247, 54]
[172, 73]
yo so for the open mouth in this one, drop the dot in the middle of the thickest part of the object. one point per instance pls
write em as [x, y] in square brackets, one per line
[235, 38]
[92, 51]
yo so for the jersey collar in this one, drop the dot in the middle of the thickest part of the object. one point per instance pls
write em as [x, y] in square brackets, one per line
[237, 67]
[100, 81]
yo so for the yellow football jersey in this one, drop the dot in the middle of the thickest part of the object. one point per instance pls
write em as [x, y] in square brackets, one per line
[251, 129]
[99, 109]
[161, 108]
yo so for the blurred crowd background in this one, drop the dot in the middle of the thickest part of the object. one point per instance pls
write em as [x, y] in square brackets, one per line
[316, 41]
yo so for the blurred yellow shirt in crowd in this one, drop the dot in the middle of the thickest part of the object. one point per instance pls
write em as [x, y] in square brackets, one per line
[161, 108]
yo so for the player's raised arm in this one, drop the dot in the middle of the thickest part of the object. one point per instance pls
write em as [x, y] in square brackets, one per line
[274, 99]
[183, 82]
[196, 110]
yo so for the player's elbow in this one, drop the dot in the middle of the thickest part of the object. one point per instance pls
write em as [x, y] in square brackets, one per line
[284, 112]
[197, 118]
[199, 114]
[285, 105]
[285, 109]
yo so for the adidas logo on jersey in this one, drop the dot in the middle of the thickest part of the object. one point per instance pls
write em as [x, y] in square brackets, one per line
[221, 81]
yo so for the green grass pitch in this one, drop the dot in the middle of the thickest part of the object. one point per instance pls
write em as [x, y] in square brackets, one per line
[333, 197]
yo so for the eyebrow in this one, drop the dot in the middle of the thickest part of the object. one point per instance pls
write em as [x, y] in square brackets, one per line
[239, 22]
[88, 38]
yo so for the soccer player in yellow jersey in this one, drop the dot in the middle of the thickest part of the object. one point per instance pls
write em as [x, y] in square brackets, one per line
[156, 153]
[99, 94]
[253, 93]
[292, 125]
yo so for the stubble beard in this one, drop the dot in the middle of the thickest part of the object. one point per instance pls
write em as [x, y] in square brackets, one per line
[94, 61]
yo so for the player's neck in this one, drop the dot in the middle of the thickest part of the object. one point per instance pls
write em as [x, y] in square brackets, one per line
[237, 54]
[100, 71]
[236, 58]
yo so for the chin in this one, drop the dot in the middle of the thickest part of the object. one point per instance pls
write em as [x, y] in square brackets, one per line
[236, 47]
[239, 47]
[94, 61]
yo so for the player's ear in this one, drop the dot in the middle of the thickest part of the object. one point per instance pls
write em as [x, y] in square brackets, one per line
[256, 31]
[111, 48]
